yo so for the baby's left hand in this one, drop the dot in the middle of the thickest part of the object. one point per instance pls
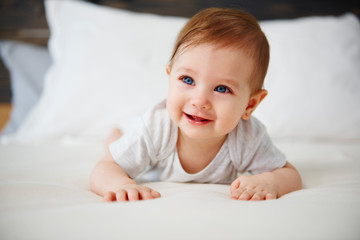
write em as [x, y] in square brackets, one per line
[255, 187]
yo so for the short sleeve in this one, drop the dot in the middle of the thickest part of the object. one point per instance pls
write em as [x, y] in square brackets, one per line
[131, 151]
[151, 139]
[253, 150]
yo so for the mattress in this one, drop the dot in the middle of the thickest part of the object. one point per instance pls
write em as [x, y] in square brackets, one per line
[45, 195]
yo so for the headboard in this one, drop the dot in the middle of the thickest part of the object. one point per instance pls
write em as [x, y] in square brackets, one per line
[24, 20]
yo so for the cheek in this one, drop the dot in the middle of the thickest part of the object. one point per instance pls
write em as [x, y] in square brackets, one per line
[176, 95]
[231, 115]
[172, 95]
[231, 120]
[173, 103]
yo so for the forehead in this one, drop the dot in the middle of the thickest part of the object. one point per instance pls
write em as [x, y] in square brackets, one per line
[221, 62]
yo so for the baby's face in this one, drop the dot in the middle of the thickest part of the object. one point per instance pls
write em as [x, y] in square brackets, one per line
[208, 90]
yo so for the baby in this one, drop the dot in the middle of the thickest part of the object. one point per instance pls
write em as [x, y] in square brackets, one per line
[204, 132]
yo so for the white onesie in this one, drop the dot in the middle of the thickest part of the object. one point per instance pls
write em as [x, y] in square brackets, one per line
[152, 145]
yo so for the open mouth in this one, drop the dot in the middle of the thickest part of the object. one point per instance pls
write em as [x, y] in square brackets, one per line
[197, 119]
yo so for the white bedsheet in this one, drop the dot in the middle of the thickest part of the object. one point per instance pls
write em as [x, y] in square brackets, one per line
[44, 194]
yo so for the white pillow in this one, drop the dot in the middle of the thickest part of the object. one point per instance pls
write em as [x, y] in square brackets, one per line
[313, 78]
[110, 64]
[27, 65]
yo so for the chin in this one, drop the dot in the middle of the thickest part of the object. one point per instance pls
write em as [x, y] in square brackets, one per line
[199, 134]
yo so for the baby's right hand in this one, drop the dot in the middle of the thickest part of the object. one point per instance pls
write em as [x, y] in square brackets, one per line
[131, 192]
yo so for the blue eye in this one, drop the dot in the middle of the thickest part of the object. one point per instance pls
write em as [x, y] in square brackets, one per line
[222, 89]
[188, 80]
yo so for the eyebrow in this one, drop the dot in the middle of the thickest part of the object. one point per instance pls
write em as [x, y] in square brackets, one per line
[231, 82]
[185, 70]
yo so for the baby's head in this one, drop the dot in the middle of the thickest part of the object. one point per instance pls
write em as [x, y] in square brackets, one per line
[228, 28]
[216, 73]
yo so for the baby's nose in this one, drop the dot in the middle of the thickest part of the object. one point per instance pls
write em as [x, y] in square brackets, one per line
[201, 100]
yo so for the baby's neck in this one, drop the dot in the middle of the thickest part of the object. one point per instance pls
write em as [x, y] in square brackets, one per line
[195, 154]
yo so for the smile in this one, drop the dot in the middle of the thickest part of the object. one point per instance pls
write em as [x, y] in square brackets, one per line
[197, 120]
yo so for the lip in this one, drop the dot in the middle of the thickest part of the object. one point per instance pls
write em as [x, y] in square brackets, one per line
[196, 120]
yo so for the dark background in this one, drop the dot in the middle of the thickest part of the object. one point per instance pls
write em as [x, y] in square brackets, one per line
[24, 20]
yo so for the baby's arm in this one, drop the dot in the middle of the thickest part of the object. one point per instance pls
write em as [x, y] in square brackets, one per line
[267, 185]
[109, 180]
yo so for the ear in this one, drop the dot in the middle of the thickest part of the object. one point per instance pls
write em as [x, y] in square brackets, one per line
[168, 69]
[254, 101]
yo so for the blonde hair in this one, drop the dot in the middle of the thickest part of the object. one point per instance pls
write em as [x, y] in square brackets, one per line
[228, 28]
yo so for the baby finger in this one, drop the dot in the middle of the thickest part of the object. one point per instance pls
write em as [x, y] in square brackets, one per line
[146, 194]
[133, 195]
[121, 196]
[234, 186]
[246, 195]
[258, 196]
[270, 196]
[236, 193]
[109, 196]
[155, 194]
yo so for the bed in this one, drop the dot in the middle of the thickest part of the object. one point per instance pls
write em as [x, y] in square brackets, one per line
[104, 65]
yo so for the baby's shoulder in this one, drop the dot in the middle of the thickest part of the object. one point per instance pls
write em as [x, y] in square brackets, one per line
[247, 130]
[245, 140]
[161, 131]
[157, 118]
